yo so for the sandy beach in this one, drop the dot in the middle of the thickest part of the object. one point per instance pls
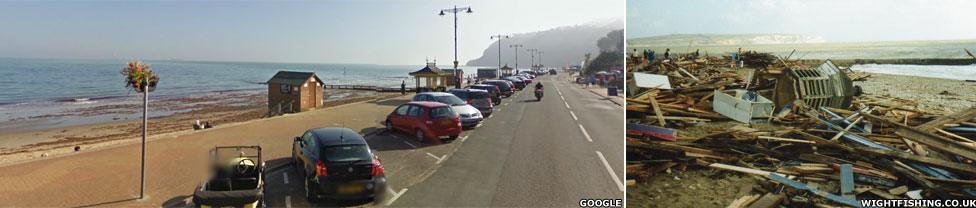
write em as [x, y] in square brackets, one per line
[225, 109]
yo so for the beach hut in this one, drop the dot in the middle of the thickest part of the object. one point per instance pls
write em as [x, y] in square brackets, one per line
[290, 92]
[506, 71]
[453, 78]
[431, 78]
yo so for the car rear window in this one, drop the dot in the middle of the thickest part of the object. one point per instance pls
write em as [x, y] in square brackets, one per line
[450, 100]
[442, 112]
[501, 85]
[461, 94]
[488, 88]
[478, 95]
[346, 153]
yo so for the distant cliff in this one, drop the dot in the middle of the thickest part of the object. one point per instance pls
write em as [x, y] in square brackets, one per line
[562, 46]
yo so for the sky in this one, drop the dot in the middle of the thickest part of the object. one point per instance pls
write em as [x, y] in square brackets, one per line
[834, 20]
[369, 32]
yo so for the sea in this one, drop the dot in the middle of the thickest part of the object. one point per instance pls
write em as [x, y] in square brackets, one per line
[956, 72]
[32, 88]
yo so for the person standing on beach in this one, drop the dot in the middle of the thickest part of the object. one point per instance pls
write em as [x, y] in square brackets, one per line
[403, 87]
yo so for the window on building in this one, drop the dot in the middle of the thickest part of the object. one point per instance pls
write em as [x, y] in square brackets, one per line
[285, 89]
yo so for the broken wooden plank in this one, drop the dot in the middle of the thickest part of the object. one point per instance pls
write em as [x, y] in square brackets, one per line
[652, 131]
[786, 139]
[657, 112]
[954, 118]
[769, 200]
[743, 201]
[847, 181]
[961, 167]
[930, 139]
[803, 186]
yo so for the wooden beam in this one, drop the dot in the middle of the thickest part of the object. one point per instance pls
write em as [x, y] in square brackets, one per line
[657, 112]
[930, 139]
[961, 167]
[954, 118]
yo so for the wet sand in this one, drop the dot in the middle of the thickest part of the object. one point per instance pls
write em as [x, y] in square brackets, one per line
[218, 110]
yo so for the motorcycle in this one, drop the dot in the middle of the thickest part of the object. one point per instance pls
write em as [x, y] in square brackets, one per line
[538, 94]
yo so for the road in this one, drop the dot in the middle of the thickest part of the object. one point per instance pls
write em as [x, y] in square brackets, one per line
[549, 153]
[527, 154]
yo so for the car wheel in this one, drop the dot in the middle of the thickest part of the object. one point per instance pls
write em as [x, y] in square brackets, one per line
[419, 134]
[389, 126]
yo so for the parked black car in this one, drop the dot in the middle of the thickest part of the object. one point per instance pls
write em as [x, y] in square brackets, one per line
[519, 83]
[494, 91]
[503, 85]
[337, 163]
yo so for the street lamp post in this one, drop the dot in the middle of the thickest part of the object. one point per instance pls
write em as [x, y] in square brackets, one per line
[500, 37]
[540, 58]
[516, 46]
[532, 51]
[455, 11]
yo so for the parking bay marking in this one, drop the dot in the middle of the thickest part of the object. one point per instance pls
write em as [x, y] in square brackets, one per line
[567, 105]
[574, 115]
[610, 170]
[285, 174]
[411, 144]
[395, 195]
[587, 135]
[288, 201]
[439, 159]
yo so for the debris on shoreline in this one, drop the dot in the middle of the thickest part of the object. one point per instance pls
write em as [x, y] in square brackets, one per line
[807, 132]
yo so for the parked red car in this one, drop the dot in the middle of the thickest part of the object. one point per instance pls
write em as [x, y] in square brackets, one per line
[425, 120]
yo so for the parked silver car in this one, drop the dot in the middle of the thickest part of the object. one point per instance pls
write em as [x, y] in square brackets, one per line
[470, 116]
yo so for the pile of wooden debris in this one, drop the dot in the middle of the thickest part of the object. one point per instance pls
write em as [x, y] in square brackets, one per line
[825, 149]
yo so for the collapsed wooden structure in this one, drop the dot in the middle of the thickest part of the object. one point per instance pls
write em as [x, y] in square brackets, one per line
[868, 147]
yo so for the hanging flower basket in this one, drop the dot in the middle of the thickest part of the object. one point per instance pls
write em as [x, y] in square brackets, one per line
[138, 75]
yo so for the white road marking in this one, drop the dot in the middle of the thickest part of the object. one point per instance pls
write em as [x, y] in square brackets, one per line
[286, 177]
[567, 105]
[288, 201]
[506, 104]
[439, 159]
[464, 138]
[610, 170]
[411, 145]
[574, 115]
[585, 134]
[561, 97]
[396, 196]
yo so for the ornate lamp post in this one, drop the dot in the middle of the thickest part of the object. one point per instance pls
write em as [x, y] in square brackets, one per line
[455, 11]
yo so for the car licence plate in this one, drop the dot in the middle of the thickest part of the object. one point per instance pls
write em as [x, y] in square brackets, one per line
[351, 188]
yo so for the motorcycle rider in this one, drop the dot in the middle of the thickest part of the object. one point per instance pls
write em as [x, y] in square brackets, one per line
[538, 86]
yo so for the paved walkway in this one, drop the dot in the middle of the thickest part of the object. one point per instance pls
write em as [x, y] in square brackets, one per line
[602, 91]
[110, 177]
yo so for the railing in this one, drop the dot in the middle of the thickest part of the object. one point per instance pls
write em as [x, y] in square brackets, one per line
[367, 87]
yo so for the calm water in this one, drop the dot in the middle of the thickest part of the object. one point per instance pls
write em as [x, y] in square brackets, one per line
[964, 72]
[37, 80]
[38, 87]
